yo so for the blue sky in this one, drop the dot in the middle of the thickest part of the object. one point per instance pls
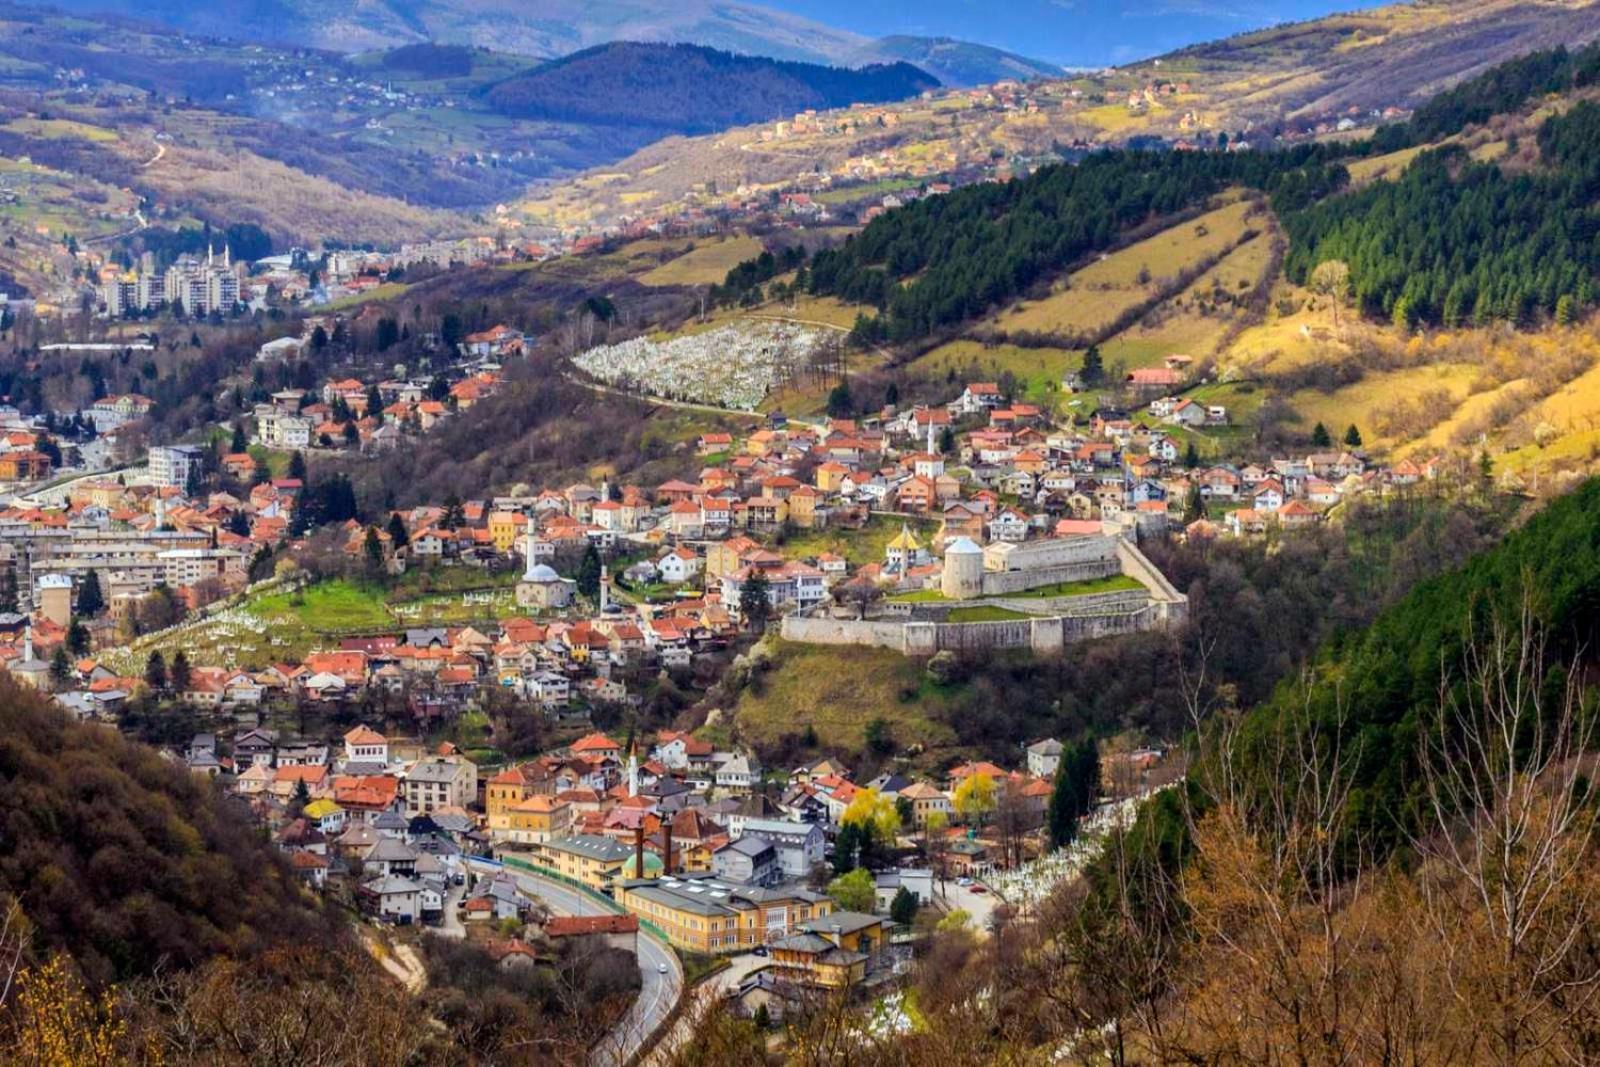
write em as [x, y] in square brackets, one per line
[1071, 32]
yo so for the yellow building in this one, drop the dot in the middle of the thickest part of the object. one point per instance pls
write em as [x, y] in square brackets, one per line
[830, 476]
[505, 791]
[594, 860]
[504, 529]
[925, 801]
[701, 914]
[803, 507]
[538, 819]
[831, 953]
[722, 558]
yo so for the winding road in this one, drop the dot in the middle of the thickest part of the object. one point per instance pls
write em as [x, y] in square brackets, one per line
[658, 993]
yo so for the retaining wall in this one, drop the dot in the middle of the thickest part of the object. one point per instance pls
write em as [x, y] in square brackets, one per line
[917, 629]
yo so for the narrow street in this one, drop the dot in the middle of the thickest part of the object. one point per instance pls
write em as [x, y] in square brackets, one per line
[659, 991]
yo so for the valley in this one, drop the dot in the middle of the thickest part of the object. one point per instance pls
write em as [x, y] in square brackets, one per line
[700, 537]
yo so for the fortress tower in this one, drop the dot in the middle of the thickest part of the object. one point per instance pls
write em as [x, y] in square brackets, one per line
[963, 570]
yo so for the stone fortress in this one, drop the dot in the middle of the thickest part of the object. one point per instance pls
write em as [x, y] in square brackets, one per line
[1000, 596]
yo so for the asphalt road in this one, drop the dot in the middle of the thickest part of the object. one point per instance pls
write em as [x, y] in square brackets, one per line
[658, 993]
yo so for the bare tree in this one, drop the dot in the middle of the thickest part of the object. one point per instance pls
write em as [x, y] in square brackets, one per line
[1509, 824]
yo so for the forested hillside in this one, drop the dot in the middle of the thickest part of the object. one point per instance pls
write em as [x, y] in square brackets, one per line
[942, 260]
[126, 861]
[1399, 853]
[1454, 241]
[689, 89]
[1382, 689]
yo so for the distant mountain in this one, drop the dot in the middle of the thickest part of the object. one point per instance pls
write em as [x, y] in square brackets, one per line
[958, 63]
[1079, 33]
[542, 28]
[689, 89]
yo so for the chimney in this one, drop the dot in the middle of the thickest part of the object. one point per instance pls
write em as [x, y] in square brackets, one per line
[666, 827]
[638, 850]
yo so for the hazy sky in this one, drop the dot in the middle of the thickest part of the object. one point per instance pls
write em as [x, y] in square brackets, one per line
[1073, 32]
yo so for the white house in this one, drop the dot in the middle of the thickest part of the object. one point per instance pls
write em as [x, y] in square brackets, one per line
[365, 745]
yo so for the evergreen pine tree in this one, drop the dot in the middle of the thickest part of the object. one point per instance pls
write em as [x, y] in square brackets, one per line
[1320, 437]
[60, 666]
[755, 607]
[91, 601]
[77, 637]
[1093, 367]
[180, 675]
[374, 551]
[155, 671]
[240, 441]
[8, 591]
[903, 908]
[397, 531]
[1352, 436]
[589, 573]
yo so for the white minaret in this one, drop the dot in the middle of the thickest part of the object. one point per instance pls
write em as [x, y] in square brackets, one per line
[605, 588]
[931, 452]
[633, 770]
[27, 642]
[527, 552]
[161, 510]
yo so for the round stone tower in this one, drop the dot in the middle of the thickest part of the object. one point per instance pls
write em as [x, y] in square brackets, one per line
[963, 570]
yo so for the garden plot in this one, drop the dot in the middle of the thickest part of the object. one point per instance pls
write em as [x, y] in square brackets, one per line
[734, 366]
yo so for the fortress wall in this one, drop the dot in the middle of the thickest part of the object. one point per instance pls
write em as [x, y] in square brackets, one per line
[999, 583]
[883, 633]
[1050, 552]
[913, 629]
[1095, 603]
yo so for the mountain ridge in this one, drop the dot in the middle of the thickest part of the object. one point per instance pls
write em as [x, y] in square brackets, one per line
[685, 88]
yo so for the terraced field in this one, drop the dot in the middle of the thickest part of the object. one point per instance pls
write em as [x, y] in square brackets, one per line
[1093, 297]
[705, 263]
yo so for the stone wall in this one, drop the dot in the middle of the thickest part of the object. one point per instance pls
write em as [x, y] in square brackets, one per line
[1045, 635]
[999, 583]
[918, 629]
[884, 633]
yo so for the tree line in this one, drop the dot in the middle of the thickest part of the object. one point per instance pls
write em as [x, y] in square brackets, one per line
[1454, 242]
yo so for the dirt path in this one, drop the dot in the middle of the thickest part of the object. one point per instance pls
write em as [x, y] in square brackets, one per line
[400, 960]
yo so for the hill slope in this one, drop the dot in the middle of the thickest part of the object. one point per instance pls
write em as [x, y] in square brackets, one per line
[958, 63]
[545, 28]
[126, 860]
[690, 89]
[1294, 78]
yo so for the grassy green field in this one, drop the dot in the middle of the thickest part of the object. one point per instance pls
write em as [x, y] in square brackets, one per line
[61, 130]
[858, 546]
[1369, 402]
[1194, 322]
[986, 613]
[291, 624]
[1041, 368]
[1115, 583]
[854, 193]
[386, 291]
[704, 264]
[325, 607]
[837, 691]
[1112, 584]
[1094, 296]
